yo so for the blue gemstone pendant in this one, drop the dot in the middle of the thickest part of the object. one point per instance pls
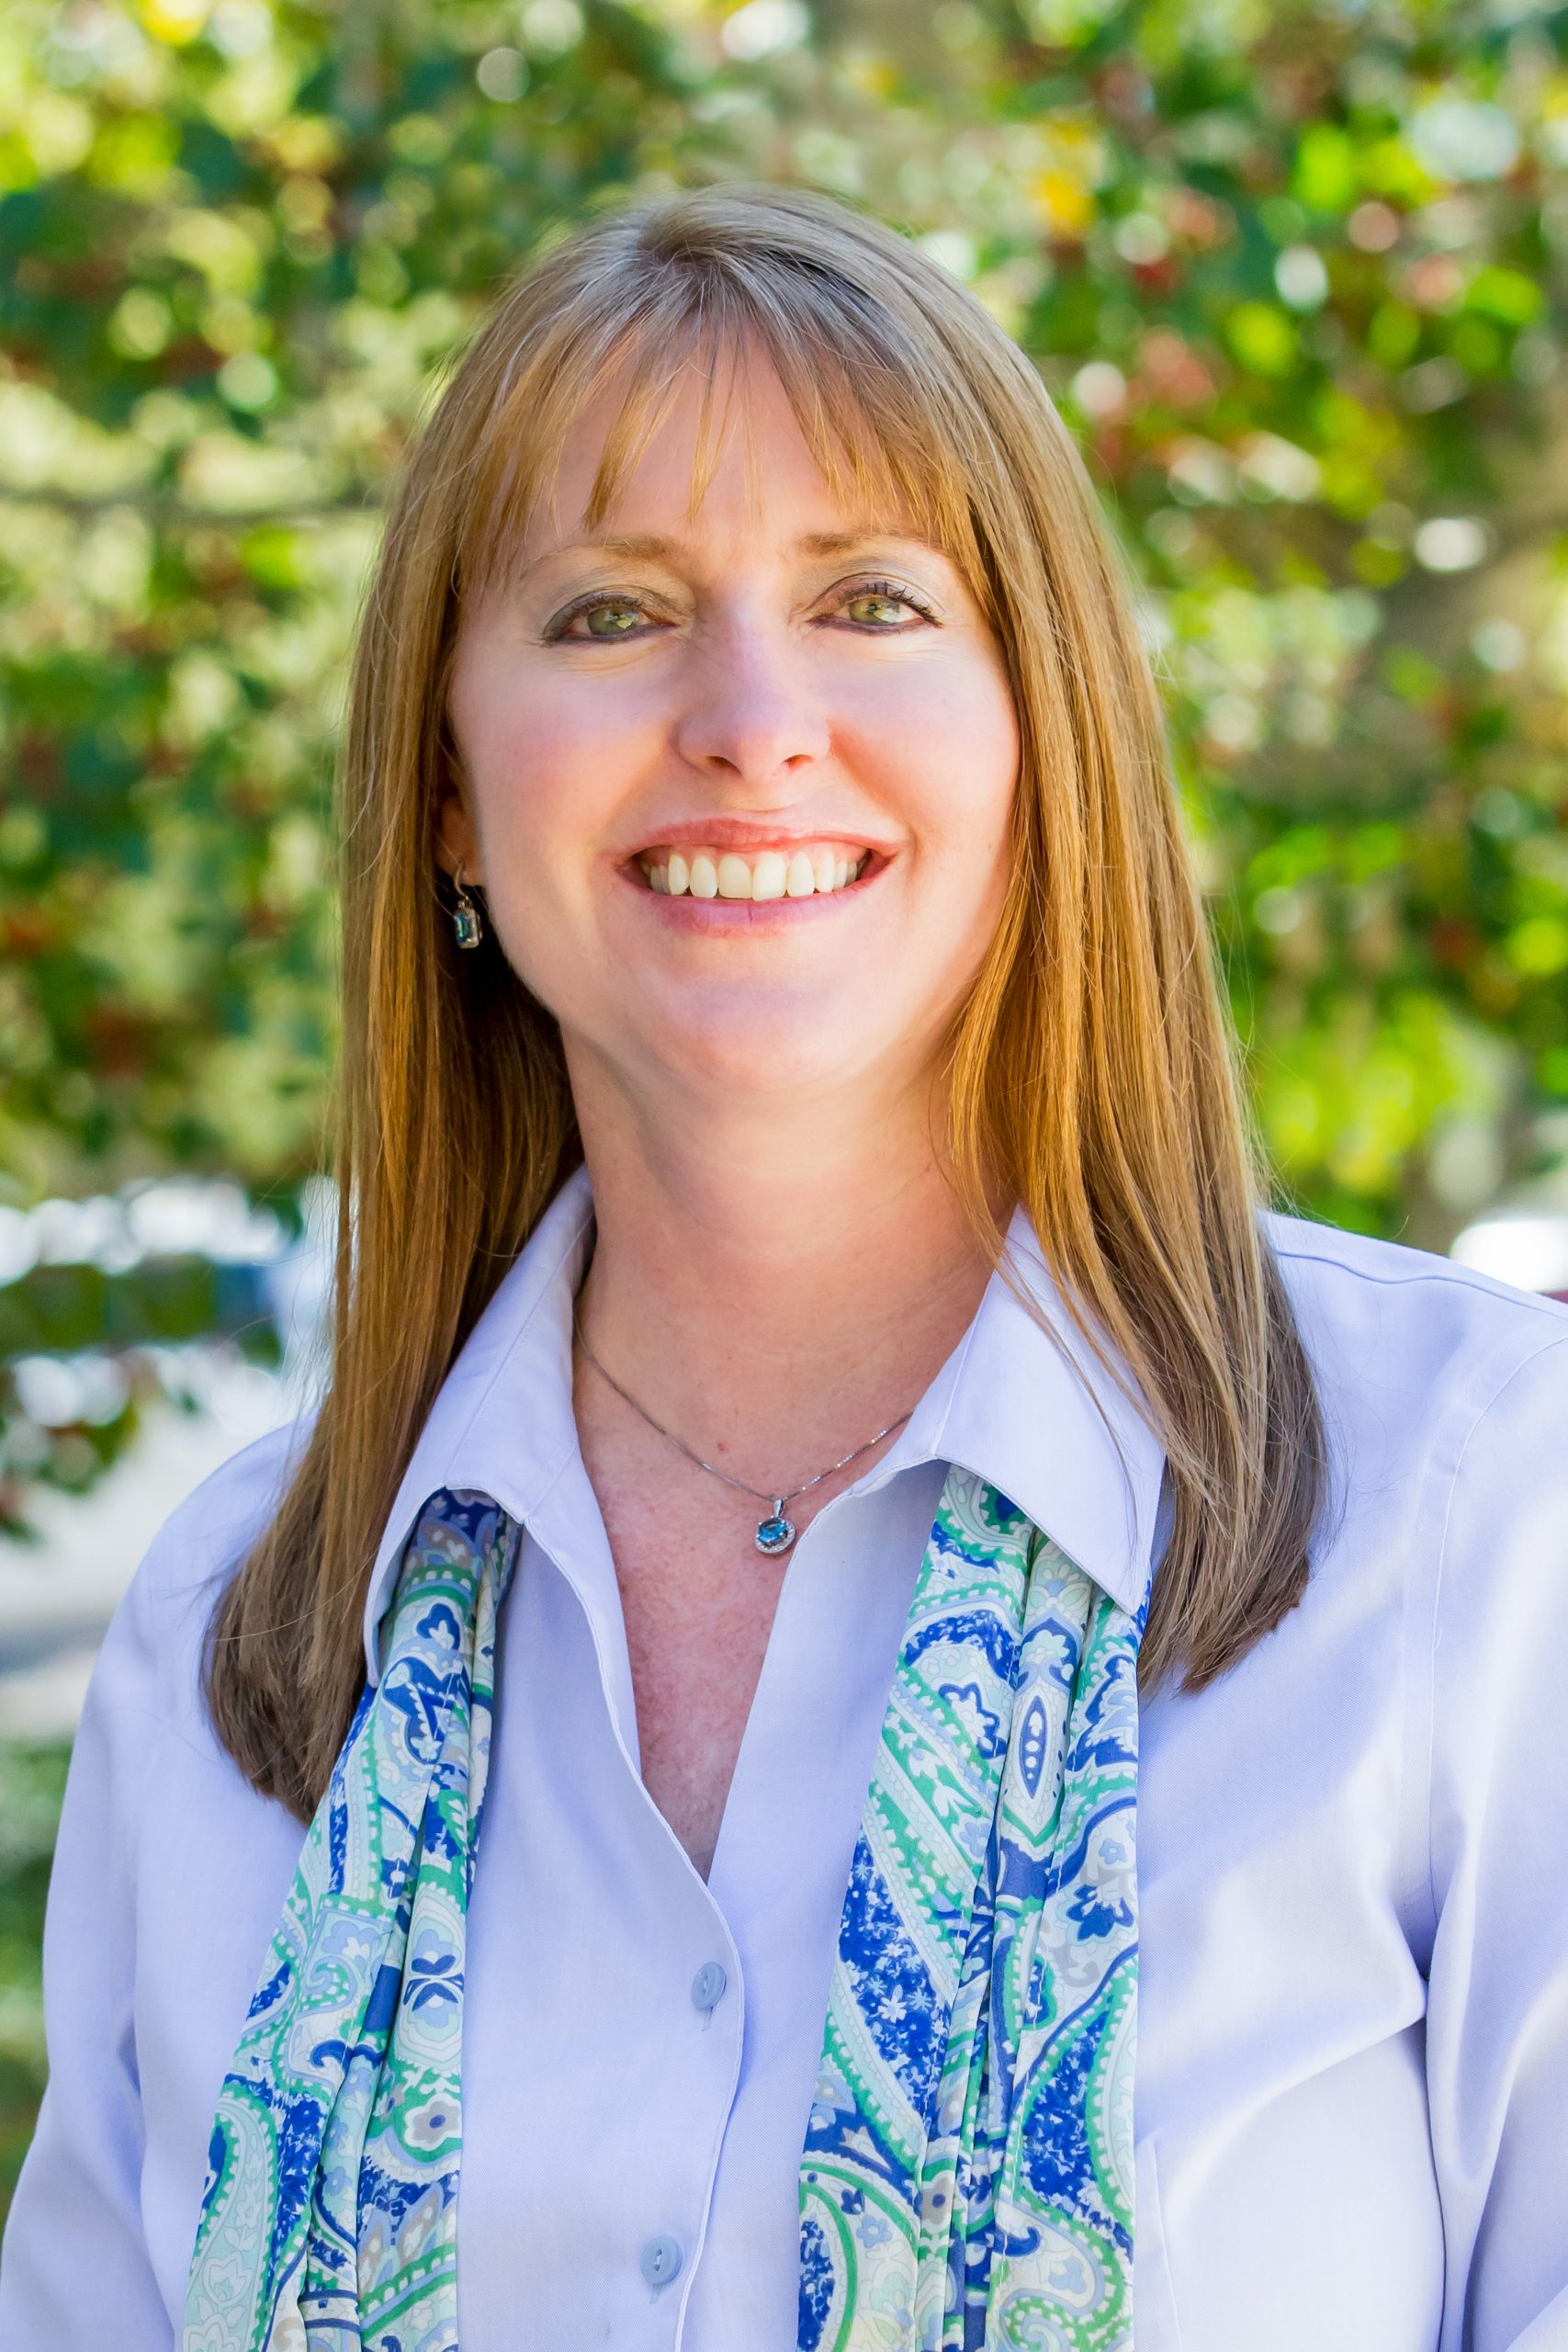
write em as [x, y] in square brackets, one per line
[776, 1534]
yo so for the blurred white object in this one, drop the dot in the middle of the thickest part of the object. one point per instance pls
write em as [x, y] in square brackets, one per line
[58, 1593]
[1526, 1247]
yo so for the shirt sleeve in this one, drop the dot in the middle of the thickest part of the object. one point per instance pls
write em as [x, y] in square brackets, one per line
[1498, 2011]
[75, 2275]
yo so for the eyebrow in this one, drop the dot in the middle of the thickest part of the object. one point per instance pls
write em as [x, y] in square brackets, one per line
[648, 546]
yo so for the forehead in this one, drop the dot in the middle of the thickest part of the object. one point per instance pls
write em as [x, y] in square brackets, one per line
[711, 450]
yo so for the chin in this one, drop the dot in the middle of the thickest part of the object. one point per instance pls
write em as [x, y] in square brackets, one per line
[780, 1057]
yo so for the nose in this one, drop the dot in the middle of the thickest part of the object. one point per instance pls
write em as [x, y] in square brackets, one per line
[751, 716]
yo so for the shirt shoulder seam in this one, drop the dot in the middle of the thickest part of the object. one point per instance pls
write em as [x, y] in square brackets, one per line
[1443, 1270]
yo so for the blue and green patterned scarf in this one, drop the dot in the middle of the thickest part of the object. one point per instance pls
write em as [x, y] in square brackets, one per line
[966, 2180]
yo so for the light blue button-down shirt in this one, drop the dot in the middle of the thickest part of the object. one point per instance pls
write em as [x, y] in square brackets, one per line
[1352, 2087]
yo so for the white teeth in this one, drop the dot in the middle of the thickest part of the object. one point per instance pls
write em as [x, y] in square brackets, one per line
[769, 875]
[708, 874]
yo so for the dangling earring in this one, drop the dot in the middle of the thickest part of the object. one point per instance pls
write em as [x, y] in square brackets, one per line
[468, 928]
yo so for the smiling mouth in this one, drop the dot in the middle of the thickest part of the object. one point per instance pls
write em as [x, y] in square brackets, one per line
[702, 873]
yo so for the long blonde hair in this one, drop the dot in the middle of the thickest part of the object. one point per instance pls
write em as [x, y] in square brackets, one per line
[1091, 1074]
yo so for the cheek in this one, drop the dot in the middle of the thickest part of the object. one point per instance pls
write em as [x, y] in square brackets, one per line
[545, 776]
[948, 757]
[546, 748]
[970, 806]
[987, 720]
[951, 716]
[573, 722]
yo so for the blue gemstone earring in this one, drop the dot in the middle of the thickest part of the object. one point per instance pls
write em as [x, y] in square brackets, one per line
[468, 928]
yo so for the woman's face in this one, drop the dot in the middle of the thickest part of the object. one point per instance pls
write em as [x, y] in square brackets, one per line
[737, 789]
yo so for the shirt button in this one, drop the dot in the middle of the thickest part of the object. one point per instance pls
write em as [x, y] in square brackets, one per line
[660, 2261]
[707, 1986]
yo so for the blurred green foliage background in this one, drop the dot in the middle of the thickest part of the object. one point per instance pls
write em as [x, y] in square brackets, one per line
[1296, 274]
[32, 1779]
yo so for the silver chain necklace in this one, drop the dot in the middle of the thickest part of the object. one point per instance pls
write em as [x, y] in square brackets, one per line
[776, 1534]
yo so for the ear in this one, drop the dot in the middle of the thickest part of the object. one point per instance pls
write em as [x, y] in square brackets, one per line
[456, 836]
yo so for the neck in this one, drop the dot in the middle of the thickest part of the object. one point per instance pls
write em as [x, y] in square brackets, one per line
[815, 1268]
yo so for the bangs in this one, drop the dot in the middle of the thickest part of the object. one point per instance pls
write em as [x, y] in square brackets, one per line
[865, 410]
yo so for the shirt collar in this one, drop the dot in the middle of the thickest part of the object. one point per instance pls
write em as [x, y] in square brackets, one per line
[502, 1423]
[1023, 1402]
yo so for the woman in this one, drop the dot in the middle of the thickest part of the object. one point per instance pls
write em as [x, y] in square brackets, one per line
[801, 1276]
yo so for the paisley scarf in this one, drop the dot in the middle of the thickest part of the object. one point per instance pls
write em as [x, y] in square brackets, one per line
[967, 2179]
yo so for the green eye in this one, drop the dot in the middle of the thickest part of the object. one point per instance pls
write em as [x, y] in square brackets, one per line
[870, 608]
[611, 620]
[884, 607]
